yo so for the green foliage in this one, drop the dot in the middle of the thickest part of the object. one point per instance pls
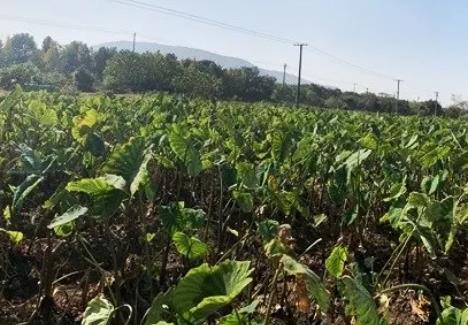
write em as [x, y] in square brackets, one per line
[267, 229]
[129, 161]
[202, 292]
[99, 311]
[24, 74]
[251, 168]
[241, 316]
[19, 49]
[160, 308]
[40, 113]
[422, 215]
[205, 289]
[190, 247]
[106, 192]
[185, 150]
[361, 305]
[15, 236]
[74, 56]
[84, 80]
[246, 175]
[24, 190]
[276, 248]
[336, 261]
[68, 217]
[315, 287]
[244, 199]
[176, 217]
[452, 315]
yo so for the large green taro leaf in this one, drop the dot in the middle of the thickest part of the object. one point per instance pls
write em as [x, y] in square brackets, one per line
[206, 289]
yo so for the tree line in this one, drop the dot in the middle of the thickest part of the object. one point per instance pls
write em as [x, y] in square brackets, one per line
[76, 66]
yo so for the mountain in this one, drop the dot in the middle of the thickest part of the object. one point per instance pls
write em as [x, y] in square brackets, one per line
[190, 53]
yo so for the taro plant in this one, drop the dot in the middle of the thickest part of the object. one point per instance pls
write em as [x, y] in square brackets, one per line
[201, 294]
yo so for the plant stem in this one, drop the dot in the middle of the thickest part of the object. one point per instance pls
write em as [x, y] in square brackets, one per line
[397, 258]
[273, 293]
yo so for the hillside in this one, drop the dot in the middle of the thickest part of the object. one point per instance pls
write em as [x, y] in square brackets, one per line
[190, 53]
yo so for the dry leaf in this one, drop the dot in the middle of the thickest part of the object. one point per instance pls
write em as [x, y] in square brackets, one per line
[419, 307]
[302, 298]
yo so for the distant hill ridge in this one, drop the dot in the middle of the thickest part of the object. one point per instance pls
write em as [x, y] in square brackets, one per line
[190, 53]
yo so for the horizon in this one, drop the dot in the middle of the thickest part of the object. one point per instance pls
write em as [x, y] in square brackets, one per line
[360, 33]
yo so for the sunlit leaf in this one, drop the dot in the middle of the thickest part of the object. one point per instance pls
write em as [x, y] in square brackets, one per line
[205, 289]
[336, 261]
[106, 192]
[15, 236]
[190, 247]
[69, 216]
[98, 311]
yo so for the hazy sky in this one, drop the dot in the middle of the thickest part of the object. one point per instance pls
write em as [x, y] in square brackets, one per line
[423, 42]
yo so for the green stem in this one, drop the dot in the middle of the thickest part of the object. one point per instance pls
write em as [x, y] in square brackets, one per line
[397, 258]
[400, 248]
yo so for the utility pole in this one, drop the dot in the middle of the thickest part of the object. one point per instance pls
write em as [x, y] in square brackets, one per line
[134, 42]
[298, 96]
[398, 94]
[284, 74]
[367, 91]
[436, 102]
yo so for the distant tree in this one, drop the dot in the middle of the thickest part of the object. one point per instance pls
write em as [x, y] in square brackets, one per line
[75, 55]
[197, 83]
[284, 94]
[84, 80]
[458, 108]
[309, 96]
[49, 55]
[2, 56]
[369, 102]
[208, 67]
[429, 107]
[247, 84]
[54, 79]
[161, 71]
[403, 107]
[385, 104]
[100, 58]
[48, 43]
[20, 48]
[51, 60]
[125, 72]
[21, 74]
[335, 102]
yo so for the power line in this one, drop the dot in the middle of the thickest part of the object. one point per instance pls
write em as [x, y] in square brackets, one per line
[203, 20]
[357, 67]
[48, 23]
[60, 25]
[268, 36]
